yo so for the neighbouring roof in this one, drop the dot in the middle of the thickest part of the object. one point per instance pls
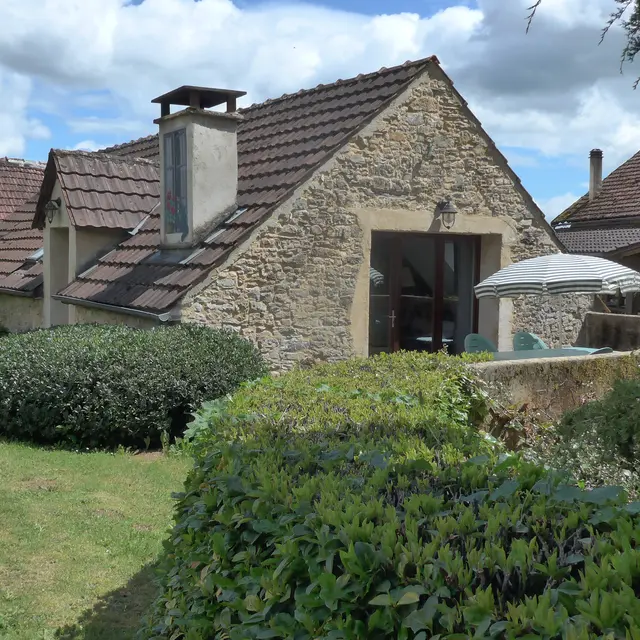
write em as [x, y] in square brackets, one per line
[19, 180]
[281, 143]
[100, 190]
[618, 198]
[20, 263]
[598, 241]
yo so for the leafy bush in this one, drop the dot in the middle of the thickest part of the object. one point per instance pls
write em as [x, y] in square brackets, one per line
[326, 506]
[379, 538]
[615, 420]
[598, 443]
[99, 385]
[432, 393]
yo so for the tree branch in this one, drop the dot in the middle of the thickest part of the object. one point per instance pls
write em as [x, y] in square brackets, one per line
[533, 8]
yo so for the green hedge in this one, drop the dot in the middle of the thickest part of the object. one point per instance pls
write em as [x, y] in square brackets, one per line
[414, 391]
[378, 538]
[313, 514]
[101, 385]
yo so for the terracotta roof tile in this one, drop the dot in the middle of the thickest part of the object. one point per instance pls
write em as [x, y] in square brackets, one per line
[100, 190]
[18, 242]
[619, 197]
[280, 143]
[19, 181]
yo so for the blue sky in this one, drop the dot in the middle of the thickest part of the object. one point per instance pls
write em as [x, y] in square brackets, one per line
[84, 77]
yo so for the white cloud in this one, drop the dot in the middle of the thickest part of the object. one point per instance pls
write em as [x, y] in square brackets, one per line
[554, 92]
[554, 206]
[15, 125]
[87, 145]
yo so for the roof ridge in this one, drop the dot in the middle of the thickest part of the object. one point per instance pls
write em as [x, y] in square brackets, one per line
[341, 82]
[24, 164]
[271, 101]
[102, 155]
[117, 147]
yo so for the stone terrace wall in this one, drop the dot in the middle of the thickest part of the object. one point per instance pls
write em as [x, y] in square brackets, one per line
[553, 386]
[291, 288]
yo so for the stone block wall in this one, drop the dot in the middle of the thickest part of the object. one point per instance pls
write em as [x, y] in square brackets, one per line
[291, 287]
[18, 314]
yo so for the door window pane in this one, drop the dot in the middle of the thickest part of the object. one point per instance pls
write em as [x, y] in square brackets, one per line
[380, 308]
[457, 308]
[417, 290]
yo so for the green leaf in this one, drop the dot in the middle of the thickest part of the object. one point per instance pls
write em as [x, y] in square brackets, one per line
[382, 600]
[602, 495]
[409, 597]
[505, 490]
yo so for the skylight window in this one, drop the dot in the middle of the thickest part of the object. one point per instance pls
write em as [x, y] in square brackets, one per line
[34, 257]
[235, 215]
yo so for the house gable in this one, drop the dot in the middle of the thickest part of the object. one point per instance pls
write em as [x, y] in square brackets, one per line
[280, 143]
[299, 286]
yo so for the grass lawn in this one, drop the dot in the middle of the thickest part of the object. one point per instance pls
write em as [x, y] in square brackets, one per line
[79, 534]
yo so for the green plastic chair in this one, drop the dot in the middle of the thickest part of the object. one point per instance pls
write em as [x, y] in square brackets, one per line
[525, 341]
[475, 343]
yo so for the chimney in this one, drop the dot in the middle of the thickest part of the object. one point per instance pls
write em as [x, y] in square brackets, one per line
[198, 162]
[595, 173]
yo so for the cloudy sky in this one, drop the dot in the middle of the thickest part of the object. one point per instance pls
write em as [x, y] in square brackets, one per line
[81, 73]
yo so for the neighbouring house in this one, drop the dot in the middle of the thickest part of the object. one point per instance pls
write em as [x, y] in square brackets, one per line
[352, 218]
[605, 221]
[21, 253]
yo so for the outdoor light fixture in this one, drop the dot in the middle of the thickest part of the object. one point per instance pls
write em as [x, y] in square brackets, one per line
[447, 212]
[51, 207]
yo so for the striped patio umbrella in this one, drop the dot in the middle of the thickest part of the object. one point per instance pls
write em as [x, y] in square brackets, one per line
[557, 274]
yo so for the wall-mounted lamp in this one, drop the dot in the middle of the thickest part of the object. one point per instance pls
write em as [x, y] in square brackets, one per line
[446, 210]
[51, 208]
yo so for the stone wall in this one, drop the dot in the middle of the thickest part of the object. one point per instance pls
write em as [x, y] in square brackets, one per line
[18, 313]
[551, 386]
[619, 331]
[87, 315]
[291, 288]
[558, 320]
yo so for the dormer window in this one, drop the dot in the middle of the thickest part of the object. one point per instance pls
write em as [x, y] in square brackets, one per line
[176, 216]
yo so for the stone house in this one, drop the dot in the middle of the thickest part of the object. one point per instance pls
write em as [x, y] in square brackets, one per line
[605, 221]
[352, 218]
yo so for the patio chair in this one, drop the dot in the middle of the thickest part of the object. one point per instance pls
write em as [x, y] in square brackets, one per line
[525, 341]
[475, 343]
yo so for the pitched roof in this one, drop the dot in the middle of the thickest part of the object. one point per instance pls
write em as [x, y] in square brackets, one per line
[598, 241]
[618, 198]
[281, 143]
[20, 272]
[100, 190]
[19, 180]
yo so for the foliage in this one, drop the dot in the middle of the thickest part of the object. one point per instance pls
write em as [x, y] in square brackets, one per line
[322, 508]
[433, 393]
[624, 12]
[99, 385]
[378, 537]
[616, 417]
[598, 442]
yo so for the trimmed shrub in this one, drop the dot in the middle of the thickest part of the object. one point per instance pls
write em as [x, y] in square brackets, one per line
[322, 513]
[379, 538]
[435, 394]
[108, 385]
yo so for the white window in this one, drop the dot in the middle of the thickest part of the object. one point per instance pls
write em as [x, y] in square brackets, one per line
[176, 217]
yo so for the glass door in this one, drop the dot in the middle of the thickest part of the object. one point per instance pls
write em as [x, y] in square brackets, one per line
[421, 291]
[417, 293]
[382, 291]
